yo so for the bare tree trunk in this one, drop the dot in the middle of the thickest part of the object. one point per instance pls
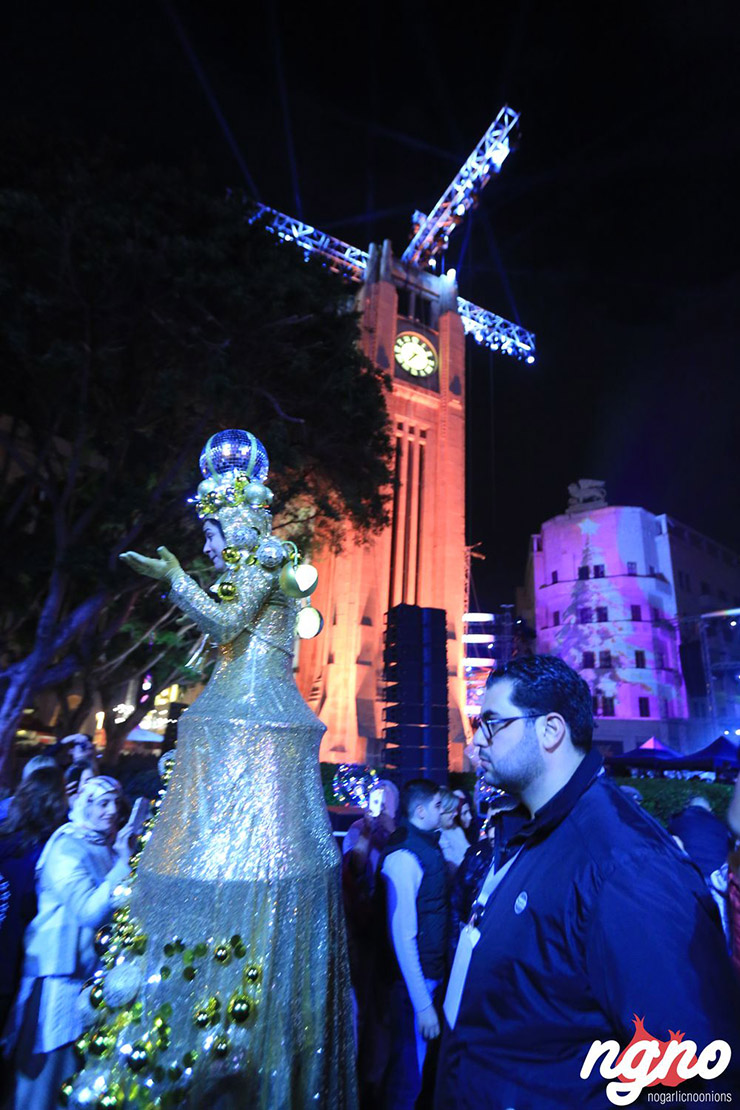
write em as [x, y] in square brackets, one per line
[35, 672]
[16, 697]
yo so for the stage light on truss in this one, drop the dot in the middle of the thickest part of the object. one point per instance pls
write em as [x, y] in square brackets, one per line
[498, 155]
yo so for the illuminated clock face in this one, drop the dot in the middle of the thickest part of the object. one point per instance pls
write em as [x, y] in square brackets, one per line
[415, 355]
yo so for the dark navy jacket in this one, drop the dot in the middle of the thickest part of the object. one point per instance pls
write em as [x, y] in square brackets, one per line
[706, 839]
[600, 918]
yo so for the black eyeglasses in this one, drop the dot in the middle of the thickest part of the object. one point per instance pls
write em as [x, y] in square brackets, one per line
[491, 728]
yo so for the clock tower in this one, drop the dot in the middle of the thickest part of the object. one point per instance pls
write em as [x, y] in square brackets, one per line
[411, 328]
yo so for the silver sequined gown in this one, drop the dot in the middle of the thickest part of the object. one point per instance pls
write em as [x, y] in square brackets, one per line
[243, 845]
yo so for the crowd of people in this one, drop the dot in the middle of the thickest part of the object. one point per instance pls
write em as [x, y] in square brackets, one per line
[488, 951]
[487, 961]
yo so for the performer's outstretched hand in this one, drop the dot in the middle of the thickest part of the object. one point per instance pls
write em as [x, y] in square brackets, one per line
[164, 567]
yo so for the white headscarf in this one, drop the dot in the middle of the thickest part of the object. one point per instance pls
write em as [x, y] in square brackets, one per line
[77, 825]
[94, 788]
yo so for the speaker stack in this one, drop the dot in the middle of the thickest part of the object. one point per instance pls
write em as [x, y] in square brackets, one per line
[415, 672]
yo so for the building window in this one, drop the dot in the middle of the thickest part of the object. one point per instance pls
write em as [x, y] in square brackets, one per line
[651, 570]
[589, 661]
[660, 660]
[644, 707]
[607, 707]
[595, 705]
[599, 570]
[583, 572]
[631, 568]
[654, 613]
[556, 617]
[640, 659]
[636, 613]
[554, 577]
[602, 613]
[585, 615]
[605, 659]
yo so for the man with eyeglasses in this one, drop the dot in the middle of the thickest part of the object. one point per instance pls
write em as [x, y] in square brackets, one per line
[590, 917]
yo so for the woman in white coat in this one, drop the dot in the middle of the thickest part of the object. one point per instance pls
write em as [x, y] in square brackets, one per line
[77, 876]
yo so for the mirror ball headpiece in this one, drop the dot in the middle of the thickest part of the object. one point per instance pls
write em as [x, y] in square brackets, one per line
[234, 465]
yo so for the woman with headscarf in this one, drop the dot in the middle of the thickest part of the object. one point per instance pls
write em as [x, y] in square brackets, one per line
[77, 876]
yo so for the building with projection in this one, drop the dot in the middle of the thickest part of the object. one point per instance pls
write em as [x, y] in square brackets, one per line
[642, 607]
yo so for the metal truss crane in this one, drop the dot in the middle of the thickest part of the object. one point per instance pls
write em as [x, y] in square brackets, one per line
[339, 257]
[432, 232]
[431, 236]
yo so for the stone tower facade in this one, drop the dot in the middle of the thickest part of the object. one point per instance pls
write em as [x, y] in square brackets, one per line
[412, 330]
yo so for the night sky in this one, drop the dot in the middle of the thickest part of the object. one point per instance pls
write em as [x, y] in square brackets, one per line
[611, 232]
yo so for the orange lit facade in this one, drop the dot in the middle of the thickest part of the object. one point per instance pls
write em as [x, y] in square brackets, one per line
[411, 329]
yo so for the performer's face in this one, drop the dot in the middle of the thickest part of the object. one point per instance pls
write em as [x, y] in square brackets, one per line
[215, 543]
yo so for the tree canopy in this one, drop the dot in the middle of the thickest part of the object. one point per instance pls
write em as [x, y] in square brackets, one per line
[139, 314]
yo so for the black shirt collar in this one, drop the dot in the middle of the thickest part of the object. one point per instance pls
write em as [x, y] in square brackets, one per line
[560, 805]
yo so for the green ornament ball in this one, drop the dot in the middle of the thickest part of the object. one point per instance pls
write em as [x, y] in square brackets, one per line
[111, 1099]
[138, 1058]
[66, 1091]
[102, 941]
[239, 1009]
[101, 1042]
[221, 1047]
[96, 996]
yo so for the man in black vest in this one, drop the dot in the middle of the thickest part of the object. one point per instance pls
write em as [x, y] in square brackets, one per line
[415, 875]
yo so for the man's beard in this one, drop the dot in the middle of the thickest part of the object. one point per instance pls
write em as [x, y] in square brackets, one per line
[518, 768]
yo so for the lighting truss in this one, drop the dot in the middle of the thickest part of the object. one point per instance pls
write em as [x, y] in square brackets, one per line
[340, 257]
[433, 231]
[493, 331]
[486, 328]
